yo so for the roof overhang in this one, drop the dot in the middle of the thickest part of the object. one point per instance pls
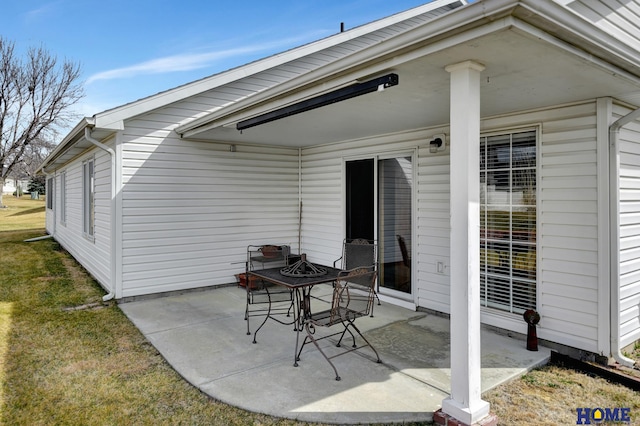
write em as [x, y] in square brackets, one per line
[73, 145]
[107, 122]
[536, 54]
[113, 117]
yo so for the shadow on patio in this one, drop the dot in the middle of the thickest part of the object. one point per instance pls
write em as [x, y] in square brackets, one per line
[202, 334]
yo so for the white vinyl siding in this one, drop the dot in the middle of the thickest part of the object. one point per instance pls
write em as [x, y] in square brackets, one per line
[187, 209]
[567, 273]
[618, 18]
[433, 229]
[567, 237]
[568, 300]
[93, 254]
[629, 232]
[191, 208]
[323, 193]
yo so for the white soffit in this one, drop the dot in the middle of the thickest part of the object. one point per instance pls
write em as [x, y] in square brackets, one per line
[523, 71]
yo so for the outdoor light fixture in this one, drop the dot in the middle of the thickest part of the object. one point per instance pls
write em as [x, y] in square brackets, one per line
[436, 143]
[377, 84]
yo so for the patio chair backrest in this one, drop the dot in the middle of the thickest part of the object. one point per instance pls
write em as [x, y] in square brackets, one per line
[353, 294]
[359, 252]
[403, 250]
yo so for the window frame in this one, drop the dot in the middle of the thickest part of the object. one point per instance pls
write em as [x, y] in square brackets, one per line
[50, 188]
[63, 198]
[88, 198]
[514, 276]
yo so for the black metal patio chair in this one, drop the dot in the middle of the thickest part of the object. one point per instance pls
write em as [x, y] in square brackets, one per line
[353, 296]
[358, 252]
[264, 299]
[406, 261]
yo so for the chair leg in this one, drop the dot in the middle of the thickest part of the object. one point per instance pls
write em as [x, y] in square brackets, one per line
[365, 339]
[291, 305]
[310, 335]
[304, 342]
[246, 316]
[266, 317]
[375, 293]
[346, 328]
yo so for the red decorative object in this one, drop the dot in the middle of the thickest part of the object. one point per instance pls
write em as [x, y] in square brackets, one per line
[242, 281]
[270, 252]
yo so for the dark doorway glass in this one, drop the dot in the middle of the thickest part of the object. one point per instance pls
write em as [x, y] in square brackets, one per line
[360, 199]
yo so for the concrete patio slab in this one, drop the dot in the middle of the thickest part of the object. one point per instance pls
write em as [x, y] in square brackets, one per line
[202, 334]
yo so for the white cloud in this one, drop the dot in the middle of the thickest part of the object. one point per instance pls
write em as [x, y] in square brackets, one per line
[185, 62]
[44, 11]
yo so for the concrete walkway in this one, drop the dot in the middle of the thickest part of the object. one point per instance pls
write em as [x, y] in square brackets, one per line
[202, 334]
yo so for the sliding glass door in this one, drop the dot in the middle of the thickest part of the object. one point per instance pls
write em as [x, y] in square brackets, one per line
[395, 193]
[379, 206]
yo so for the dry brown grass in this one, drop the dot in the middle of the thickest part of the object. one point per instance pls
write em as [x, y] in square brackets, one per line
[21, 213]
[551, 395]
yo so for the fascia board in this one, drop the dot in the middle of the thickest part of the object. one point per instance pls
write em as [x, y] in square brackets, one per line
[108, 124]
[107, 118]
[71, 139]
[581, 32]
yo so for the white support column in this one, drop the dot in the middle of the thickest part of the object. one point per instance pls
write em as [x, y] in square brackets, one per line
[465, 403]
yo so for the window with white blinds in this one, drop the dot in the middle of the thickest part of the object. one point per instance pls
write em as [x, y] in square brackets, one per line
[88, 193]
[508, 221]
[50, 189]
[63, 198]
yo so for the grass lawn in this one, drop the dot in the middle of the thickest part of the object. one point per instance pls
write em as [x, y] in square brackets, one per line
[21, 213]
[68, 358]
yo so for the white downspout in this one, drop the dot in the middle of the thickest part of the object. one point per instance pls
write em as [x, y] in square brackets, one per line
[54, 209]
[614, 225]
[112, 153]
[299, 200]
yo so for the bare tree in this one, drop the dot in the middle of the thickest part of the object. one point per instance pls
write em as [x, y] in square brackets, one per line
[34, 155]
[36, 96]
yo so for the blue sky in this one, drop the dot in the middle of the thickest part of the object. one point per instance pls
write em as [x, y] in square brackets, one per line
[130, 49]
